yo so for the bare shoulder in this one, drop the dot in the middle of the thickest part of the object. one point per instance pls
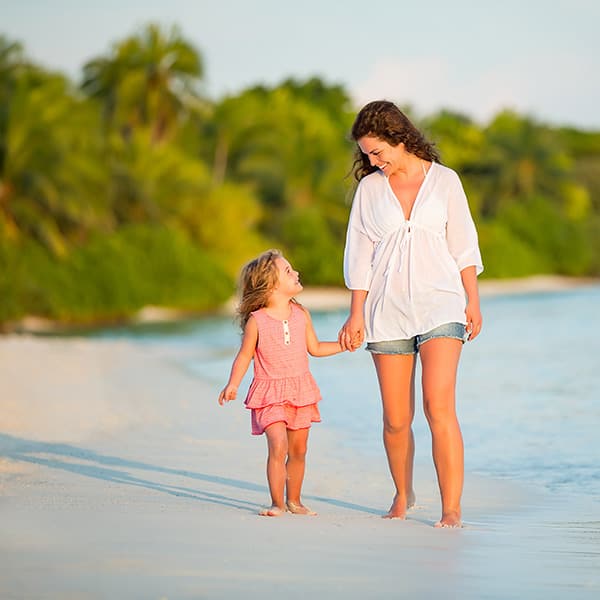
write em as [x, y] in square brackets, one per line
[251, 326]
[304, 310]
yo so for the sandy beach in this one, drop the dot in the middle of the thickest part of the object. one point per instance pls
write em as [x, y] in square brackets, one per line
[121, 477]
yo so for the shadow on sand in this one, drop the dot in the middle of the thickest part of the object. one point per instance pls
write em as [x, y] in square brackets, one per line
[113, 469]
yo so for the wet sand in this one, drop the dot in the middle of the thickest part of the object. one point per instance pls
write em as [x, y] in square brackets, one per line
[121, 477]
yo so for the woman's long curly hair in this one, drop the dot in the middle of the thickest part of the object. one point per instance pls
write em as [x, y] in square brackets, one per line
[384, 120]
[257, 280]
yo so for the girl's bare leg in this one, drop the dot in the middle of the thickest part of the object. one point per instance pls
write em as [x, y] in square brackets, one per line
[297, 443]
[277, 443]
[296, 462]
[396, 374]
[439, 358]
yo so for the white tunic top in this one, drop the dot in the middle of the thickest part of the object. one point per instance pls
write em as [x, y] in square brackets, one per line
[411, 268]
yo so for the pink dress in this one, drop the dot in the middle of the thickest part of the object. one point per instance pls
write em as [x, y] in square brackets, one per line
[283, 388]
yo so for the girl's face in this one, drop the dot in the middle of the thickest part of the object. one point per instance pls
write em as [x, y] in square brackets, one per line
[288, 280]
[382, 155]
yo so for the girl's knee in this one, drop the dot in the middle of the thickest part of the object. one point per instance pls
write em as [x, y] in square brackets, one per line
[278, 452]
[277, 440]
[297, 443]
[297, 451]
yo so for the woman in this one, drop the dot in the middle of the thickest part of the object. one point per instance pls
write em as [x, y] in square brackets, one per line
[411, 262]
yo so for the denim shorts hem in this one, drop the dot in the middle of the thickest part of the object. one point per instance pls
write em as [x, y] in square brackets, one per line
[372, 350]
[410, 346]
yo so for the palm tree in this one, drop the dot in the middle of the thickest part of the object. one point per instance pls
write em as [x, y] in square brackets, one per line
[524, 159]
[147, 80]
[11, 62]
[52, 178]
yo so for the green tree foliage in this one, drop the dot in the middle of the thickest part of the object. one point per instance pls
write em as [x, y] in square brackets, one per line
[533, 209]
[293, 151]
[148, 80]
[135, 190]
[110, 277]
[53, 185]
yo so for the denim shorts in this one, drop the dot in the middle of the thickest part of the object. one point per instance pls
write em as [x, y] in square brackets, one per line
[455, 331]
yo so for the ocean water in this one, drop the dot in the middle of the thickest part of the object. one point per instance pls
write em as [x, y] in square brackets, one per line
[528, 392]
[529, 406]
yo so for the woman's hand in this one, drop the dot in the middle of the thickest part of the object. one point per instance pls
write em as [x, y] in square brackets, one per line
[474, 320]
[352, 333]
[472, 312]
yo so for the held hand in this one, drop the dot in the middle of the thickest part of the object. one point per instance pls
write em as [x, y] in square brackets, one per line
[228, 393]
[474, 320]
[352, 333]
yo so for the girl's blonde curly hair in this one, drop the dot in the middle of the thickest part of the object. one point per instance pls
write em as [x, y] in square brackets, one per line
[257, 280]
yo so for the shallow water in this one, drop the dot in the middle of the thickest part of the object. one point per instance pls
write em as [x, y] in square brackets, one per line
[529, 407]
[528, 389]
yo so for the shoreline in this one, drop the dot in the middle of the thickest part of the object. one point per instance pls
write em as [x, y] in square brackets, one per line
[118, 470]
[314, 298]
[338, 298]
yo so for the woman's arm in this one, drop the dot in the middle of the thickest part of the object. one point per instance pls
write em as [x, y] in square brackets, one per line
[473, 311]
[241, 362]
[313, 345]
[461, 233]
[352, 333]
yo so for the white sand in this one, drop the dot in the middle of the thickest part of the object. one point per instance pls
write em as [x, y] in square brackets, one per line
[121, 477]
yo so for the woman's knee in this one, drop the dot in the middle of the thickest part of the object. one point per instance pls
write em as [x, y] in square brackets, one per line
[397, 425]
[439, 410]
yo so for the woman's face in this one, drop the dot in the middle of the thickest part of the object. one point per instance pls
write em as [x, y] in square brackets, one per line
[382, 155]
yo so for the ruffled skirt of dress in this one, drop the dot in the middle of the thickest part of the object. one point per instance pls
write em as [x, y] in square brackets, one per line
[291, 400]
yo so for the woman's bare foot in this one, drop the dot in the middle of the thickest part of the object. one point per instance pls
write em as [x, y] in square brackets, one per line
[398, 508]
[297, 508]
[271, 511]
[410, 500]
[450, 520]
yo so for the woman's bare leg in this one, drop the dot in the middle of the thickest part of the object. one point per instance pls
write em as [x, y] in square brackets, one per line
[439, 358]
[396, 374]
[277, 442]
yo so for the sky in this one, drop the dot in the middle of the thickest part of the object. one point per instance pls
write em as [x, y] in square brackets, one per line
[540, 58]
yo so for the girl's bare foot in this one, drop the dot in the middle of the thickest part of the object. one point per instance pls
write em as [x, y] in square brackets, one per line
[297, 508]
[410, 500]
[271, 511]
[450, 520]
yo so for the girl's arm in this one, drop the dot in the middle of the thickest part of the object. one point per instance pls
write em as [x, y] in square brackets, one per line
[472, 312]
[241, 362]
[314, 346]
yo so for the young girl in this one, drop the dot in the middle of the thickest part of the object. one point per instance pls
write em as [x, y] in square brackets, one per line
[283, 395]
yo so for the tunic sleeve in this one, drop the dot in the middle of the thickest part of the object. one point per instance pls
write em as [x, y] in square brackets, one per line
[358, 253]
[460, 230]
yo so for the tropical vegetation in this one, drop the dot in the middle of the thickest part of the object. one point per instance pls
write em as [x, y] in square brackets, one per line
[131, 187]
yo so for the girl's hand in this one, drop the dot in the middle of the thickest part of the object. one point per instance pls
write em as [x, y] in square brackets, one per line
[228, 393]
[352, 333]
[474, 320]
